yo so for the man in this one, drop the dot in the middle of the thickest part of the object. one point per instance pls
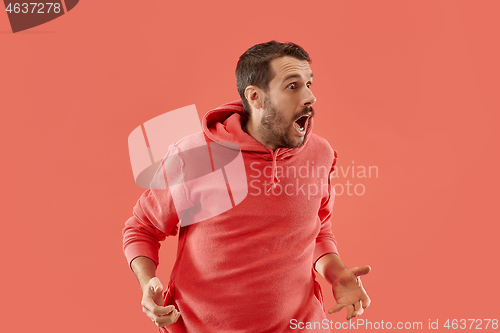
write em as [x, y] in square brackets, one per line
[251, 268]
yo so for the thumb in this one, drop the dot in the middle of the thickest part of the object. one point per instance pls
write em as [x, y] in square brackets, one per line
[155, 285]
[358, 271]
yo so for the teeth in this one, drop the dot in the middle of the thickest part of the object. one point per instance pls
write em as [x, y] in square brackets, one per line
[300, 129]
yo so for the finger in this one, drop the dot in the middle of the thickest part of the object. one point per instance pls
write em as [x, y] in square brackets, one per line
[164, 319]
[158, 299]
[155, 290]
[350, 311]
[155, 285]
[336, 308]
[150, 306]
[155, 316]
[366, 301]
[171, 309]
[363, 270]
[167, 320]
[177, 318]
[162, 310]
[358, 309]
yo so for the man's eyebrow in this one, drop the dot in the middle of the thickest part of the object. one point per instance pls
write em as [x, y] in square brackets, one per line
[297, 76]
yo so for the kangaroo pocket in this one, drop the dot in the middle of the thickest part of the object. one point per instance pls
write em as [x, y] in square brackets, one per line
[318, 294]
[168, 294]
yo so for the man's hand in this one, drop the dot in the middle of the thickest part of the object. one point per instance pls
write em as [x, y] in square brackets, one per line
[349, 292]
[153, 304]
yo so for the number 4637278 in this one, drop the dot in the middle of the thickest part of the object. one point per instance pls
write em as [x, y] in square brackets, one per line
[34, 8]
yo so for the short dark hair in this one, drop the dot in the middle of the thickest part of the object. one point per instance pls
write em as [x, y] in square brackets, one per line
[254, 67]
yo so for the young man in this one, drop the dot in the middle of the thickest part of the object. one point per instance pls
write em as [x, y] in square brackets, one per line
[250, 268]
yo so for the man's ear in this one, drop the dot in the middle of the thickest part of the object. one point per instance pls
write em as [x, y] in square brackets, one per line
[255, 97]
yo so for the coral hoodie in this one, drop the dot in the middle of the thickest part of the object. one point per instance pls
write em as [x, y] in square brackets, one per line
[250, 268]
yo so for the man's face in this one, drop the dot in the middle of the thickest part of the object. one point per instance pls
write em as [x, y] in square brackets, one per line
[288, 103]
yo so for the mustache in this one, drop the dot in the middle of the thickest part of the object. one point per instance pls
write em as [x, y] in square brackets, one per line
[305, 111]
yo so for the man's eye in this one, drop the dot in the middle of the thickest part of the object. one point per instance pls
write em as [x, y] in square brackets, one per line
[291, 85]
[309, 85]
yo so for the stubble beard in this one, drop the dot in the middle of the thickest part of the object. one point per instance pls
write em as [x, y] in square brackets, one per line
[274, 128]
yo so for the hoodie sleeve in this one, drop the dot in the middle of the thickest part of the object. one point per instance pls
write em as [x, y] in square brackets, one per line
[325, 241]
[154, 218]
[152, 221]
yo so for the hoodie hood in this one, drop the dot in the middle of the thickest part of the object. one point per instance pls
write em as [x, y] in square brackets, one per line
[225, 124]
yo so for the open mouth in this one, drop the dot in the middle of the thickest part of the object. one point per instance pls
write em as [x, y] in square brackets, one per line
[300, 124]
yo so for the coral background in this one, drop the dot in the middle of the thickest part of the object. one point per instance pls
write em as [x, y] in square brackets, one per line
[408, 86]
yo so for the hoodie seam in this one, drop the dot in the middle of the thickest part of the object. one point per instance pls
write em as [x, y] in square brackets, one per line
[181, 167]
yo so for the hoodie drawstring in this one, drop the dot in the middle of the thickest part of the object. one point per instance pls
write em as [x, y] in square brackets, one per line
[275, 180]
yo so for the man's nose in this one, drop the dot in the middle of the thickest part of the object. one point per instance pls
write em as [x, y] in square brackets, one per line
[309, 98]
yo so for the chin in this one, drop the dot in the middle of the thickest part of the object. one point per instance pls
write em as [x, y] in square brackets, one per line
[298, 143]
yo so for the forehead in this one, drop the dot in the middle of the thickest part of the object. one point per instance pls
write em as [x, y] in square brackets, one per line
[287, 67]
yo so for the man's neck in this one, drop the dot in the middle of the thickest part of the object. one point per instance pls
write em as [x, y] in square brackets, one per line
[251, 129]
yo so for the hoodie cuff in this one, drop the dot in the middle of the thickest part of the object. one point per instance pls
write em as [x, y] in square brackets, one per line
[322, 248]
[141, 249]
